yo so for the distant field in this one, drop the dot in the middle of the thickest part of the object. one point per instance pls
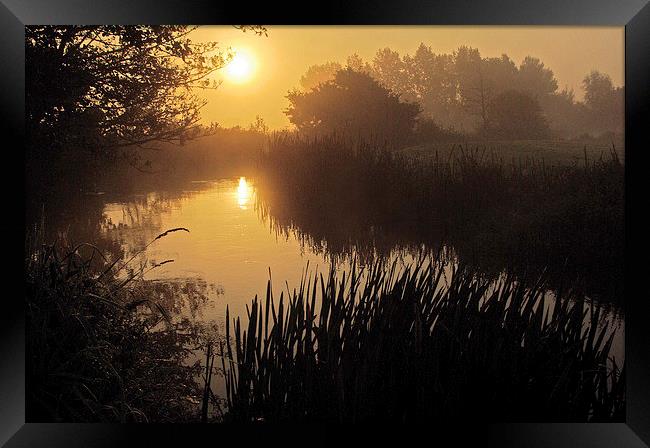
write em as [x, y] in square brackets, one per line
[551, 151]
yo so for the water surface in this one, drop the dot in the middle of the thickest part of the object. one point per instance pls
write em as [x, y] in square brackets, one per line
[232, 245]
[229, 244]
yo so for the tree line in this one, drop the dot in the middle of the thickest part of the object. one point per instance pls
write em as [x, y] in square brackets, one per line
[459, 92]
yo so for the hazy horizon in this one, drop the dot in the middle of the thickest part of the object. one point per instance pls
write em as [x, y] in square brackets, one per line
[279, 60]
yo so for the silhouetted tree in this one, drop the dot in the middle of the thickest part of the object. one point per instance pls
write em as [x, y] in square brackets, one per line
[565, 116]
[322, 73]
[604, 102]
[104, 87]
[516, 115]
[432, 83]
[318, 74]
[389, 70]
[356, 63]
[482, 80]
[457, 90]
[475, 90]
[535, 79]
[598, 90]
[500, 74]
[352, 104]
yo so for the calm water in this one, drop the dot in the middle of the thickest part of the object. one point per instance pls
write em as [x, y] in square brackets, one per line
[230, 246]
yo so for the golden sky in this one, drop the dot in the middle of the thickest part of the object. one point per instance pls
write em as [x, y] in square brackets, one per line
[274, 64]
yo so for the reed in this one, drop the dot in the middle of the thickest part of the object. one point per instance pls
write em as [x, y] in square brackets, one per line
[426, 342]
[520, 214]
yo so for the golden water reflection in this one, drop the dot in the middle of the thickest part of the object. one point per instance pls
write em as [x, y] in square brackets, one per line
[243, 193]
[228, 243]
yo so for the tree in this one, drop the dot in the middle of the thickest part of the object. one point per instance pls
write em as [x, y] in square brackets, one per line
[259, 126]
[356, 63]
[500, 74]
[318, 74]
[599, 90]
[431, 82]
[458, 90]
[475, 90]
[389, 70]
[564, 115]
[352, 104]
[517, 115]
[107, 87]
[535, 79]
[604, 102]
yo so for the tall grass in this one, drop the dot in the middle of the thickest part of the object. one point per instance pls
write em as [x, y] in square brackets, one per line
[430, 341]
[517, 214]
[101, 344]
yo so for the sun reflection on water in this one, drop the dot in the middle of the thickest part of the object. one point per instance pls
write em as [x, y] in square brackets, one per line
[243, 193]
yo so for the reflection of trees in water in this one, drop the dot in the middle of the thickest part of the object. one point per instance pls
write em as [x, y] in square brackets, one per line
[138, 220]
[525, 218]
[70, 219]
[180, 297]
[135, 220]
[363, 245]
[120, 227]
[135, 224]
[346, 237]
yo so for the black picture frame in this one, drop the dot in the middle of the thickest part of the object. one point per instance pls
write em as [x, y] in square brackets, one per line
[633, 14]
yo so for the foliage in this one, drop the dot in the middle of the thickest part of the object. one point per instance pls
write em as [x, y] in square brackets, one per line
[101, 345]
[319, 74]
[516, 116]
[433, 84]
[322, 73]
[456, 89]
[352, 104]
[604, 102]
[101, 92]
[130, 84]
[388, 69]
[536, 79]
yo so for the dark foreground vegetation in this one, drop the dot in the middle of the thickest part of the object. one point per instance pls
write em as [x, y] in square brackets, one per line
[388, 345]
[428, 343]
[497, 214]
[434, 340]
[103, 343]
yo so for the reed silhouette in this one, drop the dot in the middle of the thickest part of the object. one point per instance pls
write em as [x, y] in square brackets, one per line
[432, 341]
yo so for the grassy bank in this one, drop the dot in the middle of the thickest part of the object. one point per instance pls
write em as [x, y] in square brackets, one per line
[498, 214]
[427, 343]
[553, 152]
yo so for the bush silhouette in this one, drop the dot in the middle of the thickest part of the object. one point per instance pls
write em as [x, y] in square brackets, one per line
[354, 105]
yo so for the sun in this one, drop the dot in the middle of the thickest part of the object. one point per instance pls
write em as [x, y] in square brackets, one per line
[241, 67]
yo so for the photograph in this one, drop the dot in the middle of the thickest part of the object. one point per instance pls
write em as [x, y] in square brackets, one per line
[264, 224]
